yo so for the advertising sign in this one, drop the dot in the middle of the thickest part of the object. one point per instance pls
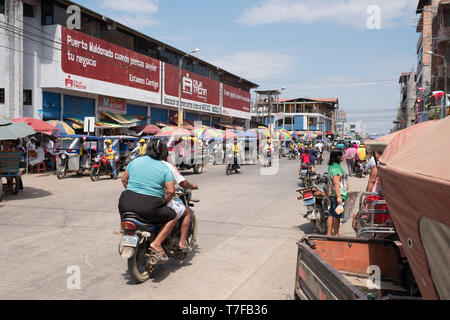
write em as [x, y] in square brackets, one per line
[236, 102]
[197, 92]
[92, 58]
[113, 105]
[341, 116]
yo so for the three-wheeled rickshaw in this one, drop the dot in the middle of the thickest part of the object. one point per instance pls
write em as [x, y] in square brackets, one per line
[124, 145]
[74, 153]
[413, 264]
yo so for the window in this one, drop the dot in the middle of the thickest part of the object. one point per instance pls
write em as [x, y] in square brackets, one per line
[2, 95]
[28, 10]
[2, 6]
[27, 97]
[47, 12]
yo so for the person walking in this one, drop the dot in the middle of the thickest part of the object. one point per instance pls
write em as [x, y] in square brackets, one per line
[339, 185]
[350, 157]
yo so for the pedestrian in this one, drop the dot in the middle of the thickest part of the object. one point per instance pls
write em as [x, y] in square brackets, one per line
[350, 157]
[339, 186]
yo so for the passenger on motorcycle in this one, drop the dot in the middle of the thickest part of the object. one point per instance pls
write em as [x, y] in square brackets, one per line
[150, 186]
[176, 204]
[110, 154]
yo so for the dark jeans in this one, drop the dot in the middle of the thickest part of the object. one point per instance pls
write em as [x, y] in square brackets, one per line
[333, 207]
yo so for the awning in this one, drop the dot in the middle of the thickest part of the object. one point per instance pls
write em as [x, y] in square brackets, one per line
[122, 119]
[98, 124]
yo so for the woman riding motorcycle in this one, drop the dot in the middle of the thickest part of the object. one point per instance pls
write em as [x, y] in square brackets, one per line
[150, 186]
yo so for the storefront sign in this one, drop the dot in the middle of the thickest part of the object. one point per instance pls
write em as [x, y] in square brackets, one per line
[93, 58]
[197, 92]
[113, 105]
[236, 102]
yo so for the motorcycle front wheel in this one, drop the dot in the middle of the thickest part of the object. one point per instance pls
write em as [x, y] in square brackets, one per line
[137, 264]
[61, 171]
[95, 174]
[193, 232]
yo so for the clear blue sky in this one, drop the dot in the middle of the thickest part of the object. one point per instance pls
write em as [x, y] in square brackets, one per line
[320, 48]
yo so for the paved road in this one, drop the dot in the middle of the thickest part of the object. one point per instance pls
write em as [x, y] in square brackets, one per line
[248, 228]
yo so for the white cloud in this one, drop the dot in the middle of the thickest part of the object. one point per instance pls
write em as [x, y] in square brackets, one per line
[132, 6]
[256, 65]
[351, 13]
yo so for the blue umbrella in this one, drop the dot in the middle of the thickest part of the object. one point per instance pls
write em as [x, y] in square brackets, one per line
[250, 134]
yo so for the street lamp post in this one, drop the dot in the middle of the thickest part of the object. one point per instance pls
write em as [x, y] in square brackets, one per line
[444, 109]
[284, 108]
[180, 62]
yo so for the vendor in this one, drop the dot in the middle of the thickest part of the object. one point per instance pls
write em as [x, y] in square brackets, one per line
[39, 157]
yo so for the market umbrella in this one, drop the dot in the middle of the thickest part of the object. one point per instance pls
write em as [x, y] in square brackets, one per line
[63, 128]
[283, 135]
[147, 129]
[171, 131]
[230, 134]
[207, 133]
[265, 132]
[14, 130]
[250, 134]
[38, 125]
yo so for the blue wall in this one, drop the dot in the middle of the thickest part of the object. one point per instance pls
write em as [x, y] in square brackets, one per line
[78, 107]
[191, 116]
[136, 110]
[51, 104]
[298, 123]
[158, 115]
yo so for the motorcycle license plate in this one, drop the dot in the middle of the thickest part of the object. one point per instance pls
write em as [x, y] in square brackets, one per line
[304, 171]
[308, 202]
[130, 241]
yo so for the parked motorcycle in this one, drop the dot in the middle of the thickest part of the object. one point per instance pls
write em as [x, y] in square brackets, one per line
[138, 234]
[306, 175]
[317, 203]
[101, 166]
[231, 164]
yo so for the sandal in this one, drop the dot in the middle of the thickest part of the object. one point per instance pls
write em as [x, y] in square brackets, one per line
[160, 256]
[186, 250]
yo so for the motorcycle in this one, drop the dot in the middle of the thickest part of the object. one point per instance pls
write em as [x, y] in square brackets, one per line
[359, 168]
[306, 175]
[317, 203]
[138, 234]
[268, 158]
[101, 166]
[292, 154]
[231, 164]
[319, 158]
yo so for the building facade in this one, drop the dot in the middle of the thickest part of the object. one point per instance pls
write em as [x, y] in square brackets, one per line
[405, 117]
[300, 114]
[356, 129]
[102, 69]
[434, 29]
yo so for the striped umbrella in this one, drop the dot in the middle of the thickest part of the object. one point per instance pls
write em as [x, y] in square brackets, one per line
[63, 128]
[171, 131]
[206, 133]
[283, 135]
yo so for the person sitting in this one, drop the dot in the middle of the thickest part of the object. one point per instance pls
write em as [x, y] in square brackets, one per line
[110, 154]
[176, 204]
[236, 149]
[37, 157]
[149, 187]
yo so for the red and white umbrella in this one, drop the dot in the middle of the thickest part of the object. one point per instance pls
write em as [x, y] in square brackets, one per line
[438, 94]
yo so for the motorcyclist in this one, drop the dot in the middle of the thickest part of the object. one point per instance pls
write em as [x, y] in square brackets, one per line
[110, 154]
[268, 149]
[176, 204]
[141, 148]
[236, 151]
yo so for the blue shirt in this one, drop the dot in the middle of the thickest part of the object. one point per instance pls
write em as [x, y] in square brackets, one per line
[148, 176]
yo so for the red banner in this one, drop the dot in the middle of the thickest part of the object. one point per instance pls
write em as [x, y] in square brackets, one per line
[89, 57]
[236, 99]
[193, 86]
[113, 105]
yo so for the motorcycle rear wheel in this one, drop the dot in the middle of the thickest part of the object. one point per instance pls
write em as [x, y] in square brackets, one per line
[321, 226]
[228, 170]
[137, 266]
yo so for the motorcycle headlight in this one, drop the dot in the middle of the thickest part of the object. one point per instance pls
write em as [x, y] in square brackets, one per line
[63, 156]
